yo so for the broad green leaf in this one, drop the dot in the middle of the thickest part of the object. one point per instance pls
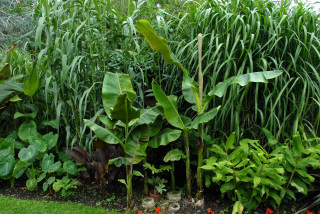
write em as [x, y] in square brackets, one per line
[122, 181]
[29, 115]
[157, 43]
[70, 167]
[190, 90]
[8, 87]
[31, 184]
[164, 138]
[136, 146]
[6, 165]
[38, 142]
[27, 128]
[227, 187]
[51, 140]
[256, 181]
[45, 186]
[271, 139]
[275, 196]
[174, 155]
[53, 123]
[137, 173]
[263, 76]
[32, 84]
[154, 128]
[169, 106]
[204, 117]
[51, 180]
[107, 135]
[230, 141]
[19, 169]
[237, 208]
[41, 177]
[115, 84]
[54, 167]
[297, 145]
[47, 162]
[120, 161]
[123, 110]
[299, 185]
[149, 115]
[106, 121]
[15, 99]
[28, 155]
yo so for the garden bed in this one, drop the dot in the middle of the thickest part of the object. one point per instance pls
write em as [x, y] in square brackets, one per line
[115, 199]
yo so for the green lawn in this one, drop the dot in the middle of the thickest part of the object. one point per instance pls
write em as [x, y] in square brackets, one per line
[10, 205]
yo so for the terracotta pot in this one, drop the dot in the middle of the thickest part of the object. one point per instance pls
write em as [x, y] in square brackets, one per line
[155, 195]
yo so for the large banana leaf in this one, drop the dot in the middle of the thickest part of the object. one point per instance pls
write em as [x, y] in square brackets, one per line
[136, 145]
[190, 90]
[263, 76]
[157, 43]
[149, 115]
[164, 138]
[107, 135]
[123, 110]
[115, 84]
[169, 106]
[204, 117]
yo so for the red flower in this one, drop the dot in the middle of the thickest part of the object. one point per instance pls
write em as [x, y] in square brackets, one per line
[157, 210]
[269, 211]
[139, 212]
[308, 212]
[209, 210]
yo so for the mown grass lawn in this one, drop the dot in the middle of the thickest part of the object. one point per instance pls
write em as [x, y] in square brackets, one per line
[10, 205]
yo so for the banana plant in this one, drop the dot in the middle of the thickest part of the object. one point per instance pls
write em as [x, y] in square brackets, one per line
[193, 93]
[125, 125]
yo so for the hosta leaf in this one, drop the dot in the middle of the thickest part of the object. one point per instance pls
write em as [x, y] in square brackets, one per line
[164, 138]
[31, 184]
[123, 110]
[204, 117]
[38, 142]
[157, 43]
[107, 135]
[51, 140]
[28, 155]
[54, 167]
[51, 180]
[6, 164]
[70, 167]
[19, 169]
[169, 106]
[115, 84]
[221, 88]
[174, 155]
[47, 162]
[27, 128]
[45, 186]
[41, 177]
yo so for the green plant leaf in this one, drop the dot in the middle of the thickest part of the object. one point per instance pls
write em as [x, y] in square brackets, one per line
[19, 169]
[227, 187]
[4, 71]
[157, 43]
[122, 181]
[149, 116]
[29, 115]
[237, 208]
[123, 110]
[164, 138]
[115, 84]
[297, 145]
[169, 106]
[51, 180]
[32, 84]
[263, 76]
[7, 163]
[45, 186]
[256, 181]
[107, 135]
[50, 139]
[70, 167]
[174, 155]
[47, 162]
[54, 167]
[204, 117]
[271, 139]
[27, 128]
[137, 173]
[299, 185]
[120, 161]
[28, 155]
[41, 177]
[31, 184]
[38, 142]
[230, 141]
[8, 87]
[190, 90]
[136, 145]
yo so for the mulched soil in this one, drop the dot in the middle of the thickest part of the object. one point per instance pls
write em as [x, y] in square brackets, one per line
[116, 199]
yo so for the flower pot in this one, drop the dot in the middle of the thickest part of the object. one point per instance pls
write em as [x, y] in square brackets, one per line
[148, 203]
[174, 196]
[155, 195]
